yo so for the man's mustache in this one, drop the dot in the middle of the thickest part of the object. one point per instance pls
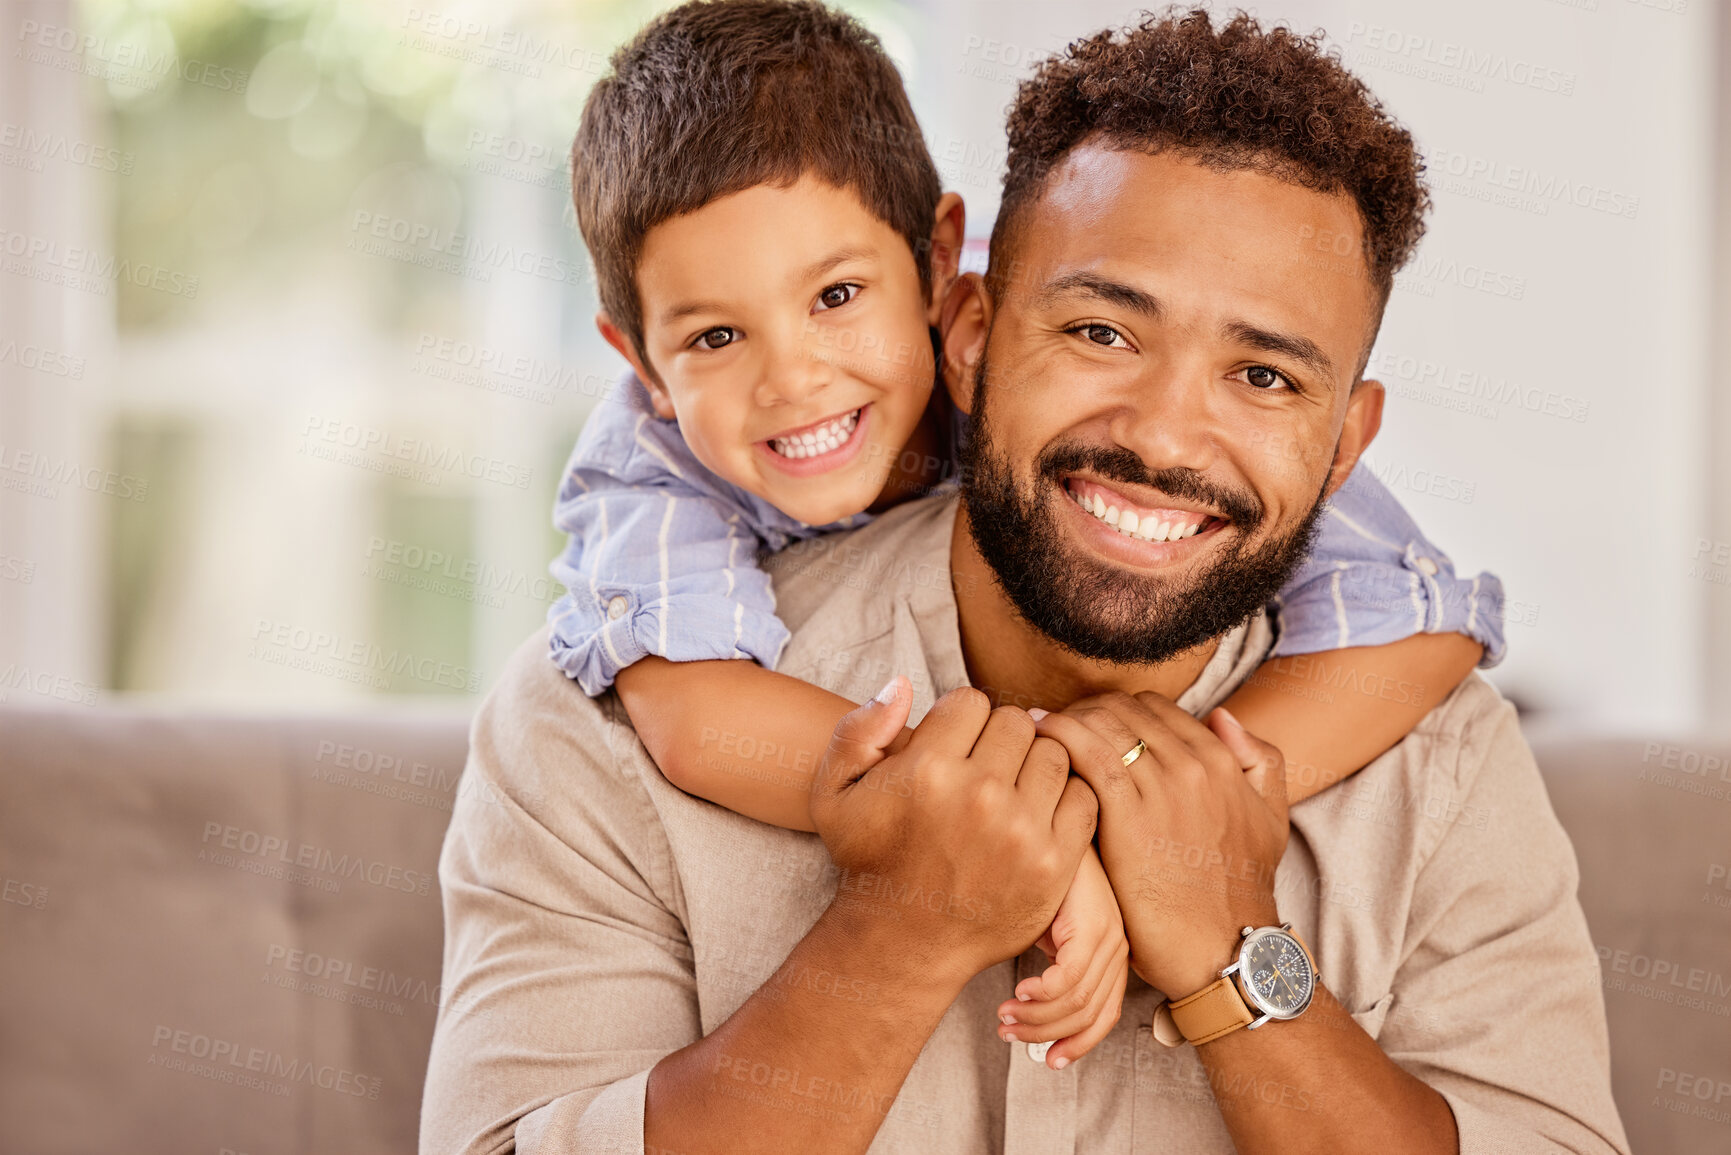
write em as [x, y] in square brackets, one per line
[1116, 463]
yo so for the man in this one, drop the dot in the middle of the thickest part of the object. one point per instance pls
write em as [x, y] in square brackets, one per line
[629, 968]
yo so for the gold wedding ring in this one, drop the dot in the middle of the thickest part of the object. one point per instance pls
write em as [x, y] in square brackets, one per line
[1135, 752]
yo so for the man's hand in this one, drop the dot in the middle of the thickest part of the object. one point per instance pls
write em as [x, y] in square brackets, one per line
[1190, 832]
[958, 844]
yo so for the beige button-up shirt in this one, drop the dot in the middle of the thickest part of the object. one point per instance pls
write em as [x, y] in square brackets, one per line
[597, 918]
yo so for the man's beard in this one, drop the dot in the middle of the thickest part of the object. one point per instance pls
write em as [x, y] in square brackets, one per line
[1097, 609]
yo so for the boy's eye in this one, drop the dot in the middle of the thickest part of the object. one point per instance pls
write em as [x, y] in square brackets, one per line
[837, 295]
[717, 338]
[1262, 377]
[1102, 335]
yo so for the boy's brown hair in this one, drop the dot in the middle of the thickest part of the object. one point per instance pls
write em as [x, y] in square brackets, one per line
[716, 96]
[1238, 97]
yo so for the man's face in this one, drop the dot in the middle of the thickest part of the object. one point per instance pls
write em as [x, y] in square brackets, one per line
[1166, 375]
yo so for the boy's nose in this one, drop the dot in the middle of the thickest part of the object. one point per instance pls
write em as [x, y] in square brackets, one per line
[792, 375]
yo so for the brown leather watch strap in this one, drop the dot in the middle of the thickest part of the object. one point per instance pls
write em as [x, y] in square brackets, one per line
[1217, 1009]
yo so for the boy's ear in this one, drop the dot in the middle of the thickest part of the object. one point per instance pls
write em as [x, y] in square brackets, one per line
[963, 325]
[615, 336]
[949, 230]
[1363, 419]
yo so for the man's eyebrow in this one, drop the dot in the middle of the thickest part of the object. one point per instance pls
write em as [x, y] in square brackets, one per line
[1102, 289]
[810, 273]
[1301, 349]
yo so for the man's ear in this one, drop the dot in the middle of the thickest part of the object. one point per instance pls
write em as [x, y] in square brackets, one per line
[615, 336]
[1363, 419]
[949, 230]
[963, 325]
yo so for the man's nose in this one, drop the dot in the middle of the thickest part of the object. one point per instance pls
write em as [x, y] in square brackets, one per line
[1170, 422]
[793, 372]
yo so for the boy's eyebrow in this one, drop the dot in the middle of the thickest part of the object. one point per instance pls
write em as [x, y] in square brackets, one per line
[810, 273]
[840, 257]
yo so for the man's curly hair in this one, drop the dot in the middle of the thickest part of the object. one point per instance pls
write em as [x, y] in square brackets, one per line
[1238, 97]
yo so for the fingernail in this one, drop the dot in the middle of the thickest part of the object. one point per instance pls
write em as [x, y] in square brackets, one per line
[1036, 713]
[1010, 1037]
[1059, 1063]
[887, 695]
[1024, 998]
[1229, 717]
[1009, 1020]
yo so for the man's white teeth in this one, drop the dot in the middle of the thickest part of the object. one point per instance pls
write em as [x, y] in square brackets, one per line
[1131, 524]
[832, 434]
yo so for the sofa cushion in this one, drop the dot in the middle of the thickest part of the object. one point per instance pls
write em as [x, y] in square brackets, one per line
[219, 933]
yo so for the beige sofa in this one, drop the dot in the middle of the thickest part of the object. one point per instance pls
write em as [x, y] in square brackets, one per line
[221, 933]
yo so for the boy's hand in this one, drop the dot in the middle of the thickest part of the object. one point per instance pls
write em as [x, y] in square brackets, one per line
[1078, 999]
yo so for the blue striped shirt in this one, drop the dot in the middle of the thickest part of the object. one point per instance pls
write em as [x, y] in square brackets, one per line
[662, 558]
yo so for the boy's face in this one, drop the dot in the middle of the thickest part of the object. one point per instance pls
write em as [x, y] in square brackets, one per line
[789, 335]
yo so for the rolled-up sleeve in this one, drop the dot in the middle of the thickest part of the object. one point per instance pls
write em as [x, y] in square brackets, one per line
[661, 557]
[1372, 578]
[1497, 1003]
[567, 973]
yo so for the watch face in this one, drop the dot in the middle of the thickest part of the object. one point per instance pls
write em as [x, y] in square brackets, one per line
[1277, 973]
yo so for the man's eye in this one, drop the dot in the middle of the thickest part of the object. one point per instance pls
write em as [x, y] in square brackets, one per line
[717, 338]
[1104, 335]
[837, 295]
[1262, 377]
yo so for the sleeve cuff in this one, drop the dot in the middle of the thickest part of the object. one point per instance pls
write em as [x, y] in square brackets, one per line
[612, 1123]
[1374, 603]
[1482, 1133]
[591, 644]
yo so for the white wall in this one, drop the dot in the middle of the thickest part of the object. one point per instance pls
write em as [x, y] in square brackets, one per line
[1593, 524]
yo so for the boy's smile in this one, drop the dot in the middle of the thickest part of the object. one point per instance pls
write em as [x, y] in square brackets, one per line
[787, 330]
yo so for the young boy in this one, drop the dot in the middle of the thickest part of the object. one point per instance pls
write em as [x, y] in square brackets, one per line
[772, 252]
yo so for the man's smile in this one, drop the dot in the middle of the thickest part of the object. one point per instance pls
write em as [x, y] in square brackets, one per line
[1135, 531]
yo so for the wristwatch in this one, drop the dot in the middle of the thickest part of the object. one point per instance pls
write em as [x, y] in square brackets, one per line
[1273, 977]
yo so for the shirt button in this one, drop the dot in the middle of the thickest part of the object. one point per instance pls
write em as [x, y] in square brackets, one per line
[1426, 566]
[617, 607]
[1037, 1051]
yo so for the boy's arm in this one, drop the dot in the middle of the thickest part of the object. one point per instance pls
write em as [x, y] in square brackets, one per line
[741, 736]
[1333, 713]
[1375, 629]
[661, 556]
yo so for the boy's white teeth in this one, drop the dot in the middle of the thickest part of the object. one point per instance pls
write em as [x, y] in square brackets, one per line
[832, 434]
[1132, 524]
